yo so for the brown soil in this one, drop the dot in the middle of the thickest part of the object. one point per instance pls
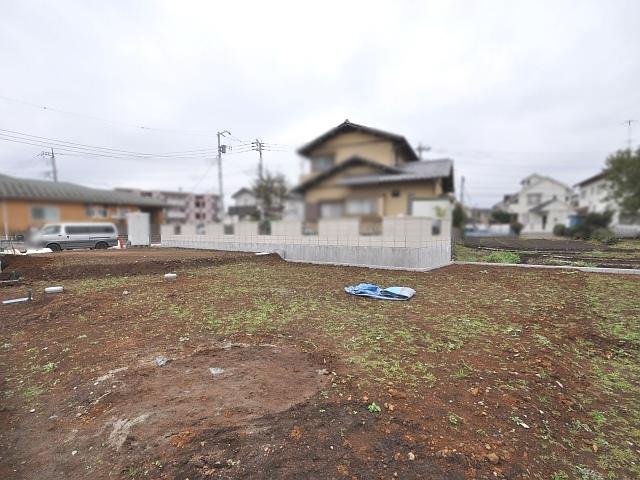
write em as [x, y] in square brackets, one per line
[290, 402]
[100, 263]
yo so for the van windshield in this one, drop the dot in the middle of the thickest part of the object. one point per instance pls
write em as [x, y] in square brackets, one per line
[50, 230]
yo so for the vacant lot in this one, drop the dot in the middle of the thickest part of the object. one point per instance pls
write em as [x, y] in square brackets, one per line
[623, 254]
[274, 372]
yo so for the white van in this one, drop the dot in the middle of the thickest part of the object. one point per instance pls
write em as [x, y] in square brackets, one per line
[65, 236]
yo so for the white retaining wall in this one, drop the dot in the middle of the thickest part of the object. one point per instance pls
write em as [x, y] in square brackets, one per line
[371, 251]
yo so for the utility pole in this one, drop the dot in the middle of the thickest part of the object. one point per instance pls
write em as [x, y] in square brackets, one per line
[629, 124]
[54, 168]
[257, 146]
[221, 149]
[462, 190]
[422, 148]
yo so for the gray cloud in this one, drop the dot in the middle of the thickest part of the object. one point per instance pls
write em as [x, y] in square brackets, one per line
[505, 88]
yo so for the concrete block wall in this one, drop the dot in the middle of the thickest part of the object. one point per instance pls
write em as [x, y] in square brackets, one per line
[188, 229]
[286, 228]
[245, 229]
[339, 228]
[214, 229]
[366, 252]
[166, 230]
[413, 230]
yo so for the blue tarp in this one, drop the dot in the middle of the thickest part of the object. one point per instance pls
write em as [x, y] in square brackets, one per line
[374, 291]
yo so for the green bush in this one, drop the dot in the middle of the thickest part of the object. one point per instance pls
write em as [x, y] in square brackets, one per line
[604, 235]
[516, 227]
[502, 257]
[560, 230]
[589, 223]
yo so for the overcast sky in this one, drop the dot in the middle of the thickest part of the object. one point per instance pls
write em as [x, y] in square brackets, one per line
[505, 88]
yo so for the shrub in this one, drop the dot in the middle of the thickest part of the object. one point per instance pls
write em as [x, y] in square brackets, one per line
[560, 230]
[589, 223]
[502, 257]
[604, 235]
[516, 227]
[501, 217]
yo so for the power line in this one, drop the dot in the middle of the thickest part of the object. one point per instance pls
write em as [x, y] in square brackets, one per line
[84, 146]
[106, 120]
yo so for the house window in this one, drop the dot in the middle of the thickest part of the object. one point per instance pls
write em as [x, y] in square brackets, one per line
[93, 211]
[45, 213]
[330, 210]
[395, 193]
[361, 206]
[534, 199]
[176, 229]
[322, 163]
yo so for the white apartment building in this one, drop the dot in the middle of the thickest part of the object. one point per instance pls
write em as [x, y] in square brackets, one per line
[185, 207]
[541, 203]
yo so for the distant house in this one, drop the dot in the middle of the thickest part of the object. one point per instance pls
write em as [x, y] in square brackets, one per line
[245, 205]
[184, 207]
[541, 203]
[359, 171]
[27, 204]
[594, 196]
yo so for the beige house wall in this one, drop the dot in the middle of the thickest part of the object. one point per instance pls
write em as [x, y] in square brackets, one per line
[328, 190]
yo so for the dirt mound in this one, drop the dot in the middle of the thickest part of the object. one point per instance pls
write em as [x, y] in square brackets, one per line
[131, 413]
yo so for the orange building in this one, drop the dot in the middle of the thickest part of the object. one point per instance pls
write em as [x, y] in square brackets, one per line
[27, 204]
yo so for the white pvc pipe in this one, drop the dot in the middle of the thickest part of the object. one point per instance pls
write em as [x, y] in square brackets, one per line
[170, 276]
[53, 290]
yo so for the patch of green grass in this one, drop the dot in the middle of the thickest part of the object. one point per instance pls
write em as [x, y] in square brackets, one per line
[598, 418]
[49, 367]
[454, 419]
[31, 392]
[502, 257]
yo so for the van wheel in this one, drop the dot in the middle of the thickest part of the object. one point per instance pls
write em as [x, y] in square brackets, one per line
[101, 245]
[54, 247]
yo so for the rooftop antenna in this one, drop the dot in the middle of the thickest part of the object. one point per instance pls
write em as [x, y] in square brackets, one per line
[422, 148]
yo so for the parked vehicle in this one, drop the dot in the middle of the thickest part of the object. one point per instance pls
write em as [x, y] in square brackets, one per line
[66, 236]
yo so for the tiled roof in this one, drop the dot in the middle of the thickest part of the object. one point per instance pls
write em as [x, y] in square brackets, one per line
[347, 127]
[409, 172]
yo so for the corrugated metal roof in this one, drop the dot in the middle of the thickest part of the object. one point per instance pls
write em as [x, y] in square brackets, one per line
[12, 188]
[409, 172]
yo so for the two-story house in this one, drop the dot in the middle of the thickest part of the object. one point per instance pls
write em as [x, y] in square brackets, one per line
[358, 171]
[594, 195]
[541, 203]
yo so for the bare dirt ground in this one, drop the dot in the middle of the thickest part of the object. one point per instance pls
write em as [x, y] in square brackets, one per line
[101, 263]
[274, 372]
